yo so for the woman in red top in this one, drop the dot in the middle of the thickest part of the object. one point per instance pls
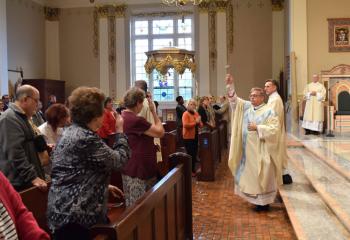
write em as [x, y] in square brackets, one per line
[190, 122]
[15, 220]
[139, 174]
[108, 125]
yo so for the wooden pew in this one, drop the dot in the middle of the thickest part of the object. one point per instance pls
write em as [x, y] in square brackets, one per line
[170, 199]
[169, 126]
[222, 127]
[216, 144]
[164, 212]
[36, 202]
[168, 146]
[209, 154]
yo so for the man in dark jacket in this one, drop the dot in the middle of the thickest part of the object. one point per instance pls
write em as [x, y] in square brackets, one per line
[6, 101]
[180, 109]
[19, 160]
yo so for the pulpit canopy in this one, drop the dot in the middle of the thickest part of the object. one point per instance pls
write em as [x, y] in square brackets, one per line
[171, 57]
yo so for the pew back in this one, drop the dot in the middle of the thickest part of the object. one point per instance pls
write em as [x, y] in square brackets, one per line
[222, 126]
[169, 126]
[36, 201]
[168, 146]
[209, 154]
[164, 212]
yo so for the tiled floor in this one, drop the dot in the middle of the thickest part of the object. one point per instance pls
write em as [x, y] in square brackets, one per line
[219, 214]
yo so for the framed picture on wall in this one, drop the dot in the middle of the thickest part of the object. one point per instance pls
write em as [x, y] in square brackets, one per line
[338, 34]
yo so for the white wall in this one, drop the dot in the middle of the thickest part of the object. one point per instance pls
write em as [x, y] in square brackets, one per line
[3, 49]
[26, 37]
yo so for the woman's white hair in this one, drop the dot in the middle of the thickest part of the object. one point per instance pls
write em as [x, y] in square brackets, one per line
[189, 101]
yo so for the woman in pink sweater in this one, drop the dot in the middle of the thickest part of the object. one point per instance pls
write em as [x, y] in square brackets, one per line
[16, 222]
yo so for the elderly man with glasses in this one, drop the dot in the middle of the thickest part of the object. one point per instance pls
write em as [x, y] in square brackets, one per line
[19, 145]
[253, 157]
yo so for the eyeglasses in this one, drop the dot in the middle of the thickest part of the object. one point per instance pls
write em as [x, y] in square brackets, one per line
[35, 99]
[254, 95]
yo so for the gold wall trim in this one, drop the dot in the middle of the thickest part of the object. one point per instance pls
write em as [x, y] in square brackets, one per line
[120, 11]
[111, 42]
[111, 12]
[212, 38]
[52, 14]
[96, 34]
[212, 8]
[219, 6]
[277, 5]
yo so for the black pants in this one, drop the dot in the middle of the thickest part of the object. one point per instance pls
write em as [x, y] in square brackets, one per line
[72, 231]
[191, 146]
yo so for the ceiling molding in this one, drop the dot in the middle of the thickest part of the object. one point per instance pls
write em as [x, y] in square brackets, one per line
[86, 3]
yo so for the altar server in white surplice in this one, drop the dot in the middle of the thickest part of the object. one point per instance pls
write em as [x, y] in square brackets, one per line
[253, 156]
[315, 94]
[275, 103]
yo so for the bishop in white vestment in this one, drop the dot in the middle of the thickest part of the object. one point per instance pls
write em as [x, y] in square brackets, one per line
[253, 157]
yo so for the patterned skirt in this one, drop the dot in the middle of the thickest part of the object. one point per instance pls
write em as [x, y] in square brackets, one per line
[134, 188]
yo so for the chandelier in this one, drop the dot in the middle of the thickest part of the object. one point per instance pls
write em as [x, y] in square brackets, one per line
[163, 59]
[180, 3]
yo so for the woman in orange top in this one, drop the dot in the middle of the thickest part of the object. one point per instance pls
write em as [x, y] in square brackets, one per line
[190, 122]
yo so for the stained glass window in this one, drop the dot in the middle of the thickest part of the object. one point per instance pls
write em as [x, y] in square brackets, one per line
[163, 26]
[141, 27]
[184, 26]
